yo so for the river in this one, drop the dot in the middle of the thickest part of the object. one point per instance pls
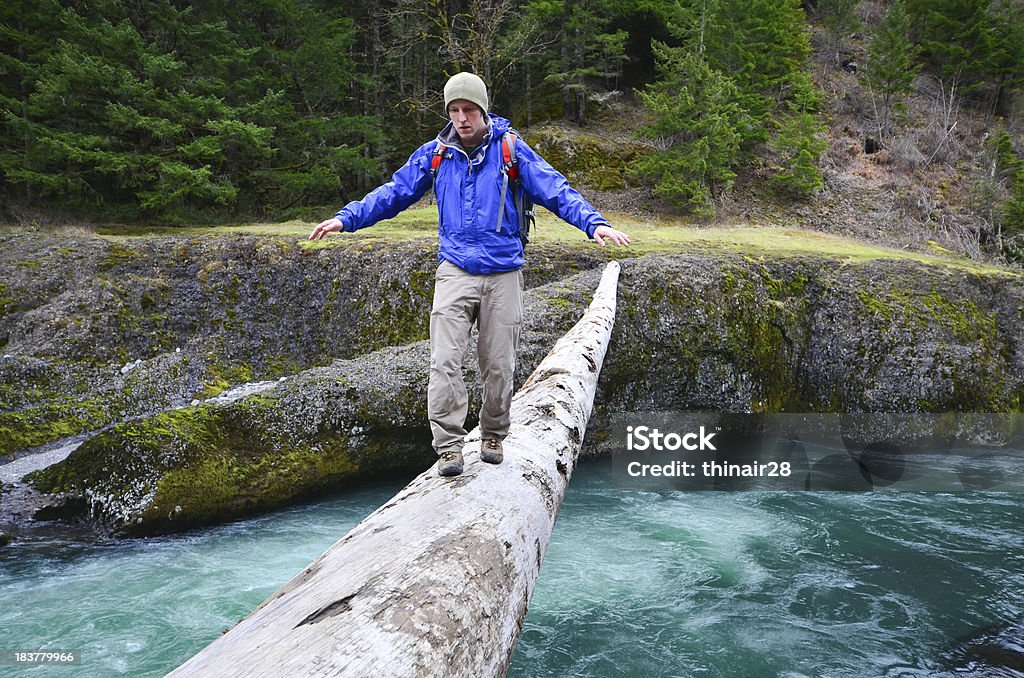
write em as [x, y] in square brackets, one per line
[634, 583]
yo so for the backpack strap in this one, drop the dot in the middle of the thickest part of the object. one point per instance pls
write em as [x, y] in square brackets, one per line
[509, 170]
[508, 155]
[510, 173]
[435, 164]
[435, 161]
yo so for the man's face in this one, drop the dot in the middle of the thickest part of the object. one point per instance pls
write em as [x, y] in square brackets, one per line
[469, 121]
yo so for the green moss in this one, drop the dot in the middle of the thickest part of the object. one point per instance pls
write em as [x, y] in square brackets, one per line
[595, 160]
[230, 483]
[117, 255]
[203, 274]
[875, 305]
[7, 304]
[765, 328]
[963, 318]
[208, 464]
[751, 321]
[280, 365]
[967, 321]
[221, 376]
[421, 281]
[560, 303]
[400, 314]
[60, 416]
[231, 293]
[669, 234]
[332, 295]
[976, 386]
[113, 458]
[213, 386]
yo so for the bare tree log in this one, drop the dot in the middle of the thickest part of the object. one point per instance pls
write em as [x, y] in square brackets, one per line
[437, 581]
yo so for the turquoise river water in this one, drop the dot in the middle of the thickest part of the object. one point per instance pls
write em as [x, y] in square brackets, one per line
[634, 583]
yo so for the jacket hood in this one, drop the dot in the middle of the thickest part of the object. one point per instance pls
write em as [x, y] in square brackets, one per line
[499, 125]
[496, 126]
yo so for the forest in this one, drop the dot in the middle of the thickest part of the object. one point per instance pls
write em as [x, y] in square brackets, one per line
[157, 110]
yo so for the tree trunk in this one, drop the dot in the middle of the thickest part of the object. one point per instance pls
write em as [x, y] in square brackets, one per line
[436, 581]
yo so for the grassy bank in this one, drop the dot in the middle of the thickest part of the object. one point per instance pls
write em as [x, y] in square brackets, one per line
[663, 235]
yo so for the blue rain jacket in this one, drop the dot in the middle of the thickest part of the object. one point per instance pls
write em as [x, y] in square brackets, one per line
[468, 191]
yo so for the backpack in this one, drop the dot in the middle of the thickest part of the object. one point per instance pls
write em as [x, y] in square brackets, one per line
[509, 175]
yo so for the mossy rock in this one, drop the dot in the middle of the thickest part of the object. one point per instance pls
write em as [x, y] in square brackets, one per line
[585, 157]
[209, 464]
[800, 334]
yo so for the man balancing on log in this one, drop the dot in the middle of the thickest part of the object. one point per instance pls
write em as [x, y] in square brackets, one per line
[486, 180]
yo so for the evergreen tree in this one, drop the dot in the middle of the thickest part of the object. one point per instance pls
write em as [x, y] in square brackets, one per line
[1013, 221]
[132, 110]
[698, 124]
[113, 121]
[322, 131]
[890, 69]
[955, 38]
[741, 64]
[763, 46]
[1010, 169]
[1006, 19]
[839, 17]
[27, 31]
[587, 54]
[799, 143]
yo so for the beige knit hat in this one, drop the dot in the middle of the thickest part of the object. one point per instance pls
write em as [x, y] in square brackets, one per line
[465, 86]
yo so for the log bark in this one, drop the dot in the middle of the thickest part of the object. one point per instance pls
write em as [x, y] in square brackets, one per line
[437, 580]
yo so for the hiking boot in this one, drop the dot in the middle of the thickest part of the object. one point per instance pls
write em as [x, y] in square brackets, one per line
[490, 451]
[450, 463]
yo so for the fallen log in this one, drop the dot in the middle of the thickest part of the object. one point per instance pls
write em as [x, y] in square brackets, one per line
[437, 580]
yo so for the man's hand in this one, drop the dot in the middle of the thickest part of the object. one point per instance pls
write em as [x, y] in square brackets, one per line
[605, 231]
[325, 227]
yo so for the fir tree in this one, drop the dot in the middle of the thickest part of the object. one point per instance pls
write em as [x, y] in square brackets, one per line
[151, 110]
[314, 105]
[698, 124]
[763, 46]
[1010, 169]
[955, 38]
[799, 143]
[890, 69]
[1006, 19]
[28, 30]
[586, 54]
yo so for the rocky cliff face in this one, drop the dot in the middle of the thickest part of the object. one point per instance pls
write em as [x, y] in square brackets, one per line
[746, 334]
[346, 326]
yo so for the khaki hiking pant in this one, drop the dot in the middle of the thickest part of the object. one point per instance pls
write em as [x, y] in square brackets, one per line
[495, 303]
